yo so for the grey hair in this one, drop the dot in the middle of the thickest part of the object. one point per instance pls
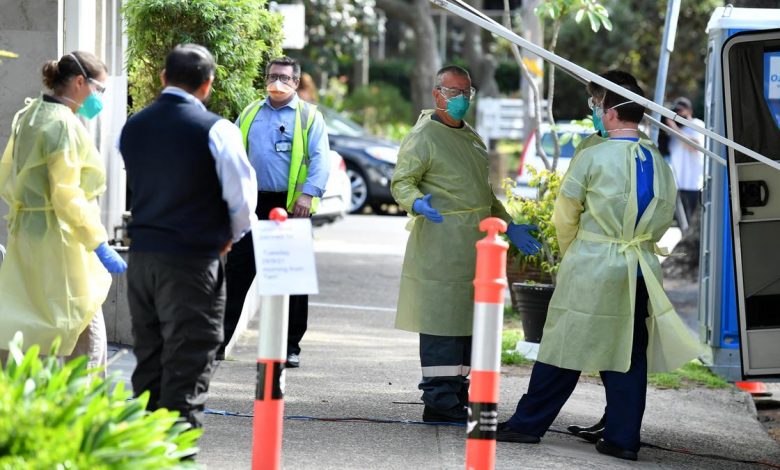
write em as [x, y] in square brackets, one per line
[453, 69]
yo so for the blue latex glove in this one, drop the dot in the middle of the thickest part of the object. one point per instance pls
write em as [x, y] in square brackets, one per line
[523, 240]
[110, 259]
[423, 207]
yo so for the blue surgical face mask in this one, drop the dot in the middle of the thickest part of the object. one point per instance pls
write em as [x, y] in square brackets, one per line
[457, 107]
[598, 124]
[91, 106]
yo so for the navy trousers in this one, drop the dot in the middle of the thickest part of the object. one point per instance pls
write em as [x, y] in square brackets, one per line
[445, 362]
[551, 386]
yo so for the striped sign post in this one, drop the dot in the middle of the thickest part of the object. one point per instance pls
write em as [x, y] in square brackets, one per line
[489, 285]
[269, 387]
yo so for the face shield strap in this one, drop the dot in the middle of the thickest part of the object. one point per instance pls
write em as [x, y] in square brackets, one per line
[83, 71]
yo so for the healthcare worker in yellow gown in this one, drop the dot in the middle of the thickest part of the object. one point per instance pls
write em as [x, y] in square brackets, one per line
[441, 179]
[609, 312]
[55, 275]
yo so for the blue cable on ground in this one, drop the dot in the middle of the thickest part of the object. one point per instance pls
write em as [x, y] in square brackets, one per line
[344, 419]
[407, 421]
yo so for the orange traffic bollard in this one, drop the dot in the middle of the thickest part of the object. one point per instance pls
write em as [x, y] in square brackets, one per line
[489, 286]
[756, 389]
[269, 387]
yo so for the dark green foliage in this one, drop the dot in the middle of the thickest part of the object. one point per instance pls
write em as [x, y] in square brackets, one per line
[395, 72]
[335, 30]
[377, 104]
[56, 416]
[633, 45]
[242, 34]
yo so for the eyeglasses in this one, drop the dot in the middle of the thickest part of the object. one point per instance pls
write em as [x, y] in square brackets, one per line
[272, 77]
[100, 88]
[592, 104]
[450, 93]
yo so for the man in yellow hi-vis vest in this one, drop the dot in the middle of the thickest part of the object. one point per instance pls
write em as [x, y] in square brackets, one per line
[287, 145]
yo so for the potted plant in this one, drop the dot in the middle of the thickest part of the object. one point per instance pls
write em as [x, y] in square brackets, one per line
[532, 277]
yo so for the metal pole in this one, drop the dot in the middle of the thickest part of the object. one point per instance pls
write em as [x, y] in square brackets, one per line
[667, 46]
[477, 17]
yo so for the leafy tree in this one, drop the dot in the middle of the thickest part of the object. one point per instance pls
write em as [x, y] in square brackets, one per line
[338, 27]
[242, 34]
[557, 11]
[634, 46]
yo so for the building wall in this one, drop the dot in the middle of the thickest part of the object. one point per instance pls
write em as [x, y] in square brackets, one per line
[30, 29]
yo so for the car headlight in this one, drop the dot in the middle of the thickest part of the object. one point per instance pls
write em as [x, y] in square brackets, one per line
[385, 154]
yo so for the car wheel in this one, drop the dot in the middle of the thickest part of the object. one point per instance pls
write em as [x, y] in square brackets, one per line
[359, 189]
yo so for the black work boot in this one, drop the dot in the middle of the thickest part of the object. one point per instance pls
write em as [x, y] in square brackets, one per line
[456, 414]
[576, 430]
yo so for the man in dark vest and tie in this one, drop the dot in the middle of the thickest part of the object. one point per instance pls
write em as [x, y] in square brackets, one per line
[193, 194]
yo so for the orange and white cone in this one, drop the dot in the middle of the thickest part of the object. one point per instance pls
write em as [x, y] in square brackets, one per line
[269, 387]
[489, 285]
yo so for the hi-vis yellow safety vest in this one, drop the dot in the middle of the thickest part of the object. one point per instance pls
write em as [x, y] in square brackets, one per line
[299, 156]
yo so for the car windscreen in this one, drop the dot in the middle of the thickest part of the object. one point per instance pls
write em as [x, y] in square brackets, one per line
[338, 124]
[567, 151]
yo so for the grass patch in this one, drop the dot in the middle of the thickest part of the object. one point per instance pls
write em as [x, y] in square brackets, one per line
[692, 374]
[510, 357]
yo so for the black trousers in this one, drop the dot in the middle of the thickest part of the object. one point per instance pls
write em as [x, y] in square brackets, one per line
[551, 386]
[240, 271]
[446, 364]
[176, 306]
[690, 201]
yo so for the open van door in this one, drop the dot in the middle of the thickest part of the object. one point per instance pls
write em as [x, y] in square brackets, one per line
[751, 89]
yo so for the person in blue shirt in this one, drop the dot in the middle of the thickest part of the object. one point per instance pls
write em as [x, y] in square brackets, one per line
[287, 144]
[192, 196]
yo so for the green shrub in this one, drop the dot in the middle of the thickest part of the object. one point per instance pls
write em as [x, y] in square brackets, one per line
[56, 416]
[395, 72]
[381, 109]
[242, 34]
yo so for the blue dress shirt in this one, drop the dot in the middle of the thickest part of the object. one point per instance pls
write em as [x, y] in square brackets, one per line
[235, 174]
[644, 179]
[272, 126]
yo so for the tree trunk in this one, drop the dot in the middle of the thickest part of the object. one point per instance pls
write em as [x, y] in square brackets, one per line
[482, 64]
[417, 14]
[426, 56]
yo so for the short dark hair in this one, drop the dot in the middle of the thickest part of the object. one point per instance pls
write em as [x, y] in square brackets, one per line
[630, 112]
[453, 69]
[682, 102]
[287, 61]
[189, 66]
[615, 76]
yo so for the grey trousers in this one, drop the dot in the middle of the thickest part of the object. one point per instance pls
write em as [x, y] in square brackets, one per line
[93, 343]
[177, 305]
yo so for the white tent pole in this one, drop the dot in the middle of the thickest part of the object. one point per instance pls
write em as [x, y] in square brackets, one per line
[479, 19]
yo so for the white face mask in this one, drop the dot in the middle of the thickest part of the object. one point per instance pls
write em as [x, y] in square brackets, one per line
[279, 90]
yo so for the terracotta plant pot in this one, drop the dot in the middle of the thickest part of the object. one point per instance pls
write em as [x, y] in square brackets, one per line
[532, 301]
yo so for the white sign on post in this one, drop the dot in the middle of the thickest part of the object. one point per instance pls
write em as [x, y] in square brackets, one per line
[284, 257]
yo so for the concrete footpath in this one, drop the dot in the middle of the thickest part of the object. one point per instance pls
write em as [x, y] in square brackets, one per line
[355, 367]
